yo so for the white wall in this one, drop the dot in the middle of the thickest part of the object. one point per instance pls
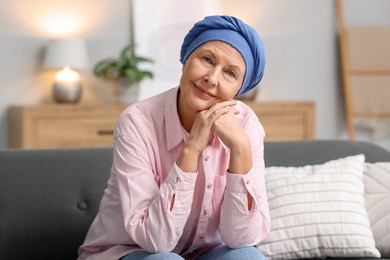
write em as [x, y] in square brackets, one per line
[300, 37]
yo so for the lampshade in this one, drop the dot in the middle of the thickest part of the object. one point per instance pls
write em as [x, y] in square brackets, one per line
[66, 52]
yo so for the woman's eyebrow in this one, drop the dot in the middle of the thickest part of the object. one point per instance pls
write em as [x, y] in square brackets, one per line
[207, 51]
[235, 67]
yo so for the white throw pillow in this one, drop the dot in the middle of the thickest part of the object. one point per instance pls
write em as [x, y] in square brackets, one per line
[377, 186]
[318, 211]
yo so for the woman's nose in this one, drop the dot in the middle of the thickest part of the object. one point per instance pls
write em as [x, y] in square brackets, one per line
[211, 78]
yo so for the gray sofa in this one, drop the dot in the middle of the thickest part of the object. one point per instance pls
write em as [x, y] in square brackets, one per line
[48, 198]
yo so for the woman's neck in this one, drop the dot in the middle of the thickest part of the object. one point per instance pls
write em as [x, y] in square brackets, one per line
[186, 115]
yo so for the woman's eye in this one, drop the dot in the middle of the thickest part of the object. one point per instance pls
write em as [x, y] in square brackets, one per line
[208, 60]
[231, 73]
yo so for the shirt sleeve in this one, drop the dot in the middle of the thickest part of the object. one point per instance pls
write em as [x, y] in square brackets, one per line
[240, 226]
[146, 206]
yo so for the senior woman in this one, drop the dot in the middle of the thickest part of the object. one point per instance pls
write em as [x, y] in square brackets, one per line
[187, 180]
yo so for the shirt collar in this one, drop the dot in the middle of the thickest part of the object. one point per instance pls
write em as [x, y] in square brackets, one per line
[173, 129]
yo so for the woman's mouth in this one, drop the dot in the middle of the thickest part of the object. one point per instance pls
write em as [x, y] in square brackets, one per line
[202, 92]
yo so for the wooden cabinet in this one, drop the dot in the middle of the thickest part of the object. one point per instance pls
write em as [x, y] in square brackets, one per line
[285, 121]
[51, 126]
[54, 125]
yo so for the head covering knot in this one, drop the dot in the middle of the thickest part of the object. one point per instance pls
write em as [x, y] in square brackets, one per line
[236, 33]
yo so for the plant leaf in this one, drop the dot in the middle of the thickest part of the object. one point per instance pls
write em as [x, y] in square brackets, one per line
[127, 52]
[139, 59]
[131, 75]
[146, 74]
[102, 67]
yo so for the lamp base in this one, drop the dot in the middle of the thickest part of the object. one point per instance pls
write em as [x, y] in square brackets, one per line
[66, 93]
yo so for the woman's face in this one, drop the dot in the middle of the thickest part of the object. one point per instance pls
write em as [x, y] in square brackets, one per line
[214, 72]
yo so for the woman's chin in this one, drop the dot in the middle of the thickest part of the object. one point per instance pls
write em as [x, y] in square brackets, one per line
[202, 104]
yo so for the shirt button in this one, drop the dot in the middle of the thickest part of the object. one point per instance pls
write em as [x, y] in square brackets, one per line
[209, 186]
[201, 237]
[247, 182]
[206, 158]
[205, 212]
[177, 179]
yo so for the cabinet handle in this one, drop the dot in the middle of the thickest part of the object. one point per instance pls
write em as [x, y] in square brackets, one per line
[105, 132]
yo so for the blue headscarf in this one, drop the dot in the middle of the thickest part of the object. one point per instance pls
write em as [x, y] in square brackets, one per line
[236, 33]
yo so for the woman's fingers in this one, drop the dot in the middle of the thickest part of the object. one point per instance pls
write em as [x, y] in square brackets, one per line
[222, 104]
[204, 123]
[228, 129]
[217, 113]
[219, 109]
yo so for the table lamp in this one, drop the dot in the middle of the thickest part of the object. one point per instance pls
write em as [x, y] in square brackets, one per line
[67, 55]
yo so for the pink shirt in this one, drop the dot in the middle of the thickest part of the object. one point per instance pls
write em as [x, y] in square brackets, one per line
[211, 206]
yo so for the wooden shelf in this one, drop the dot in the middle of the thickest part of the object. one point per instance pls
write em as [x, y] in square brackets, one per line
[55, 126]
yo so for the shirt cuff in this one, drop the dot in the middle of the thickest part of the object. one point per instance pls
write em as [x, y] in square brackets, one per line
[180, 180]
[240, 182]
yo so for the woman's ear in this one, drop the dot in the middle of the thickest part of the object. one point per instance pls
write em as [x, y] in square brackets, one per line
[183, 66]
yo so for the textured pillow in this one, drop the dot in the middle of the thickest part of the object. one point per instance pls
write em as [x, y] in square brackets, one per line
[377, 187]
[318, 211]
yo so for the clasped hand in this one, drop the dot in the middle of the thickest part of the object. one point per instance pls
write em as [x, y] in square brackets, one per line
[220, 119]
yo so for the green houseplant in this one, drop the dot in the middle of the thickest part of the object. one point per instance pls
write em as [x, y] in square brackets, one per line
[124, 71]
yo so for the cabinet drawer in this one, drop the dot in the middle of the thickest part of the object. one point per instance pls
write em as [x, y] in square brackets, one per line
[74, 132]
[284, 127]
[63, 125]
[285, 121]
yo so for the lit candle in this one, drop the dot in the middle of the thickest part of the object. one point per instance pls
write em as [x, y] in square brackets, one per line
[67, 86]
[67, 77]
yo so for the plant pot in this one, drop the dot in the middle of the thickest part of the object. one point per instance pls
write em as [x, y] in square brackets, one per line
[125, 93]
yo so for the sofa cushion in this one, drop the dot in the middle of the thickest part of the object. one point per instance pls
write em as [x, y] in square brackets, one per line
[377, 188]
[318, 211]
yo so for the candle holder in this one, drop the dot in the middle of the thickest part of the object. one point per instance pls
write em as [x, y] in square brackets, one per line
[66, 93]
[67, 86]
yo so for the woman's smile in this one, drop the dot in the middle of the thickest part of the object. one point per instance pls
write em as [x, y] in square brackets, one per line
[202, 93]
